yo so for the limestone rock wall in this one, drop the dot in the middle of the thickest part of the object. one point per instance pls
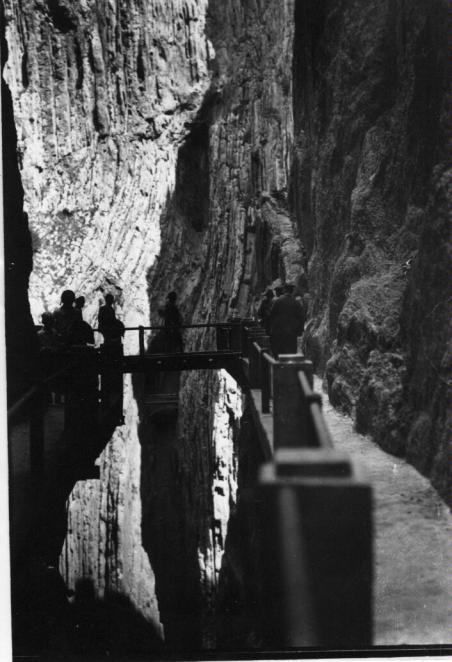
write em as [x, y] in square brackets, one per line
[226, 233]
[369, 191]
[102, 92]
[20, 337]
[147, 166]
[213, 148]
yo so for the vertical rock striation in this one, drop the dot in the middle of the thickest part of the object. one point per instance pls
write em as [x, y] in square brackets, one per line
[369, 191]
[20, 338]
[102, 92]
[163, 146]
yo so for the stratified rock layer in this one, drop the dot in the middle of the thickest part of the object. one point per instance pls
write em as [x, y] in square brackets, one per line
[20, 337]
[102, 93]
[154, 161]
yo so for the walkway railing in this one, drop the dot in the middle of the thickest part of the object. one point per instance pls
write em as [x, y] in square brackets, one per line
[316, 511]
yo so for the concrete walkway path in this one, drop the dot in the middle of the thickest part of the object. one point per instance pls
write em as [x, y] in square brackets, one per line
[413, 536]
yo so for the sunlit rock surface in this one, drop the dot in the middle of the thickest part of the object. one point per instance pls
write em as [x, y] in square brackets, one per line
[102, 94]
[163, 147]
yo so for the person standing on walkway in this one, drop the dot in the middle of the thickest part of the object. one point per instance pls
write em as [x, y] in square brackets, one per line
[47, 337]
[286, 323]
[79, 305]
[65, 317]
[263, 313]
[108, 324]
[172, 324]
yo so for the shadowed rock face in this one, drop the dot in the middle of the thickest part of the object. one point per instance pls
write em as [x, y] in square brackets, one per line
[20, 338]
[165, 149]
[369, 193]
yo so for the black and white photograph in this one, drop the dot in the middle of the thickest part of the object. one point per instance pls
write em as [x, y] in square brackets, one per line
[225, 330]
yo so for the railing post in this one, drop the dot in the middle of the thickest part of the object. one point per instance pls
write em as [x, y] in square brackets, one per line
[247, 323]
[316, 552]
[289, 412]
[254, 335]
[265, 381]
[235, 334]
[141, 340]
[37, 437]
[221, 338]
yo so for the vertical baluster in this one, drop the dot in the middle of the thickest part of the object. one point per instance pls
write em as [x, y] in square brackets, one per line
[141, 340]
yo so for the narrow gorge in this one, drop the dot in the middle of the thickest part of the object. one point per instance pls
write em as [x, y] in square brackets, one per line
[215, 148]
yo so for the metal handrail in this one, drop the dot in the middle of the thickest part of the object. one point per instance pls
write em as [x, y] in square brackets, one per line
[269, 358]
[212, 325]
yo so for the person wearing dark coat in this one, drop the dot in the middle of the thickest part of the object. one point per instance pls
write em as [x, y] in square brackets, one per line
[286, 323]
[65, 318]
[110, 327]
[172, 324]
[263, 313]
[47, 337]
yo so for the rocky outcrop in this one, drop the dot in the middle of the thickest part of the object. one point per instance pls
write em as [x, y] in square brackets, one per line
[369, 191]
[20, 337]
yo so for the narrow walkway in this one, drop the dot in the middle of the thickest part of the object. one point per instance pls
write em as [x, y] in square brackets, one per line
[413, 526]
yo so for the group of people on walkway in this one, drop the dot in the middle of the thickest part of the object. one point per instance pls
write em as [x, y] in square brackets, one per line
[283, 317]
[65, 327]
[280, 313]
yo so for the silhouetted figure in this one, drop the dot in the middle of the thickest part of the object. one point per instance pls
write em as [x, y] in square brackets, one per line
[286, 322]
[112, 330]
[65, 318]
[263, 313]
[110, 327]
[172, 324]
[83, 333]
[79, 305]
[47, 336]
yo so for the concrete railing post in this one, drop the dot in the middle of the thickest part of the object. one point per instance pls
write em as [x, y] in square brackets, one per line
[289, 412]
[316, 559]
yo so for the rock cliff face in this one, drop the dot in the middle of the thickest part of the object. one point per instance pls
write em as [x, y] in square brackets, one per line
[20, 338]
[369, 192]
[102, 93]
[213, 148]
